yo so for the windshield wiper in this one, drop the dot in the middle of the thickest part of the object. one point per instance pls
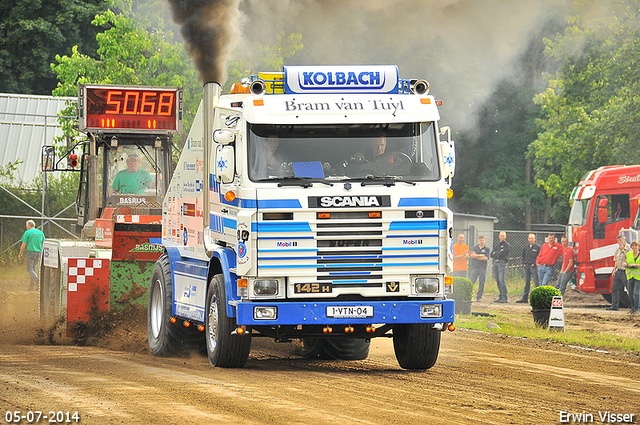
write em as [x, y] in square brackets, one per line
[386, 181]
[296, 181]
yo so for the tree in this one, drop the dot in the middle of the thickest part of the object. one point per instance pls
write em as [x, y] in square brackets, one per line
[132, 55]
[33, 31]
[590, 106]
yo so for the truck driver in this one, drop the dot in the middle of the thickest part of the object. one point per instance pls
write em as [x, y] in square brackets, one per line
[132, 180]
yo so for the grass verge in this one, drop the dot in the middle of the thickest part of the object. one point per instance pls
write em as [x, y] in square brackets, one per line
[521, 325]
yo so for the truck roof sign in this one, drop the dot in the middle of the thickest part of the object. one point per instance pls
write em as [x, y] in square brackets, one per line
[341, 79]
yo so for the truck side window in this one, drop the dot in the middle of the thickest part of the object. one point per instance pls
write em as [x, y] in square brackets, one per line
[620, 208]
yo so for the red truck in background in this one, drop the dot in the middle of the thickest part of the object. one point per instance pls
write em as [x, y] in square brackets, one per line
[604, 202]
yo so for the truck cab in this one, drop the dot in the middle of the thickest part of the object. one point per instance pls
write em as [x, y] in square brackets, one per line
[604, 203]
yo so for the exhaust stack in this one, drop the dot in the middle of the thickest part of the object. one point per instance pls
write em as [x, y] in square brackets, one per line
[210, 96]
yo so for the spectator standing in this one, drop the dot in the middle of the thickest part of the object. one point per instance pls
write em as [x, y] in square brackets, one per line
[500, 255]
[478, 260]
[32, 241]
[549, 254]
[619, 275]
[566, 273]
[529, 254]
[633, 276]
[460, 255]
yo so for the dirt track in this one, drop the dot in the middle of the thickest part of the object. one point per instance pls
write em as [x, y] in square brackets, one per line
[479, 378]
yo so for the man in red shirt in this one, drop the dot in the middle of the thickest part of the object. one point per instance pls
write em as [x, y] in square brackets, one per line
[549, 254]
[460, 255]
[567, 265]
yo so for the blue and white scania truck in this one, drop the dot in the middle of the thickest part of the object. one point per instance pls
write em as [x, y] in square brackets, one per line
[309, 204]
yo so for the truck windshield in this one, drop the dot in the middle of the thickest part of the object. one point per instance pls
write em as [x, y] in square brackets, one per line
[340, 152]
[578, 216]
[135, 170]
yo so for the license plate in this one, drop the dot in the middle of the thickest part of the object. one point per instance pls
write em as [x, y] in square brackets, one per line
[350, 311]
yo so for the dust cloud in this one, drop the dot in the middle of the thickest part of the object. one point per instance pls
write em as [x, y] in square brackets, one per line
[462, 47]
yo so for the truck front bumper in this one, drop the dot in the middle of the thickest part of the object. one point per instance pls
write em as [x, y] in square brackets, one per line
[328, 312]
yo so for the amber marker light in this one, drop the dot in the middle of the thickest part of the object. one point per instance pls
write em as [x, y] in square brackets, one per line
[240, 330]
[327, 329]
[187, 323]
[230, 196]
[449, 193]
[425, 101]
[451, 327]
[324, 215]
[375, 214]
[448, 280]
[258, 102]
[201, 328]
[243, 283]
[238, 88]
[173, 320]
[370, 329]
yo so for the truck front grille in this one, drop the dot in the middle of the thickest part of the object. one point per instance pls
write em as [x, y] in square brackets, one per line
[350, 250]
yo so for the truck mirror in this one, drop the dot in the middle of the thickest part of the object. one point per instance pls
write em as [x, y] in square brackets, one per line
[224, 137]
[603, 202]
[448, 158]
[603, 216]
[225, 165]
[48, 158]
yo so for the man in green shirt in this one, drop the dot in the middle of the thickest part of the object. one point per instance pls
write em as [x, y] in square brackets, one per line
[132, 180]
[32, 241]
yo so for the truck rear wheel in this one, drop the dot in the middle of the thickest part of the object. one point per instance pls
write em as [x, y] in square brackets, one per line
[416, 345]
[223, 348]
[336, 348]
[164, 337]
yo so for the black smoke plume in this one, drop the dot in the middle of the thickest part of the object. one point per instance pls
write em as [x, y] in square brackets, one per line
[210, 28]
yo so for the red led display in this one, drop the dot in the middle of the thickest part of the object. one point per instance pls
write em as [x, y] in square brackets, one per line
[130, 108]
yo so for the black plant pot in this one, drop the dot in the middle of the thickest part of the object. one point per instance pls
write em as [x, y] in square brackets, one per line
[541, 317]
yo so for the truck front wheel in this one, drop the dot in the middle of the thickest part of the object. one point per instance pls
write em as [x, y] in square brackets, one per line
[164, 337]
[224, 349]
[416, 345]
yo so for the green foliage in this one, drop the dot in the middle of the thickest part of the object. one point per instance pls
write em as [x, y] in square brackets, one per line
[33, 31]
[590, 106]
[542, 297]
[462, 289]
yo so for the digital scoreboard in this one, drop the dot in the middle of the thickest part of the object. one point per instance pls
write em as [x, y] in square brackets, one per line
[133, 109]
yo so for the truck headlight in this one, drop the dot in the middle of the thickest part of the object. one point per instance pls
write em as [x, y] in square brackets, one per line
[265, 287]
[427, 285]
[431, 310]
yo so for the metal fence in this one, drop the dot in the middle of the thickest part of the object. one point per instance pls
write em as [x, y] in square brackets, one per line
[517, 240]
[13, 227]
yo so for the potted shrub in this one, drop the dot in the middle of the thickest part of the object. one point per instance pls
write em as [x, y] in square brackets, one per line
[540, 300]
[463, 294]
